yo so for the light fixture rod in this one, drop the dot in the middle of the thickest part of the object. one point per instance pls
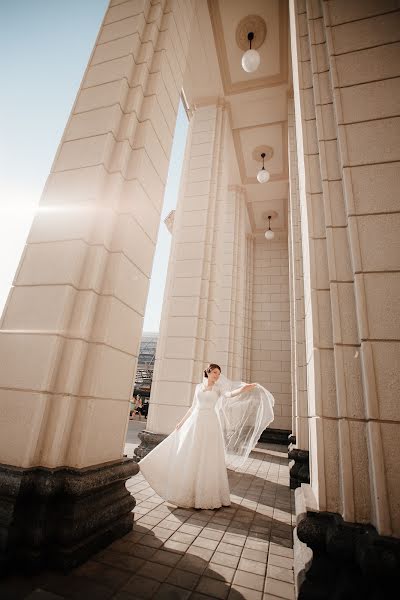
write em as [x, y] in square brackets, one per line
[263, 156]
[250, 37]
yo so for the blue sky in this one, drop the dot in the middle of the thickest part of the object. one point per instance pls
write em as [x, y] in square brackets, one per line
[44, 49]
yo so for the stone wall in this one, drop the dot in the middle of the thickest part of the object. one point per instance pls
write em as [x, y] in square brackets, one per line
[270, 346]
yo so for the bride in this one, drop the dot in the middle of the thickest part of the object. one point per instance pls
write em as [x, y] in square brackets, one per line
[223, 425]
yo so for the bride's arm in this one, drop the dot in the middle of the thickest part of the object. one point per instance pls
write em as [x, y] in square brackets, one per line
[246, 387]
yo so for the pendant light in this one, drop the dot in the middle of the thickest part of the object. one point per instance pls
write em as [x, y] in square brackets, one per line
[251, 58]
[269, 234]
[263, 175]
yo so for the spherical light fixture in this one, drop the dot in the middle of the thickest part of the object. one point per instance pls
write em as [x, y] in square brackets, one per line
[269, 234]
[263, 175]
[251, 58]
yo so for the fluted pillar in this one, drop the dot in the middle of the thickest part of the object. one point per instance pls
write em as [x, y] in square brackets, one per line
[248, 303]
[231, 284]
[72, 324]
[188, 332]
[347, 145]
[298, 452]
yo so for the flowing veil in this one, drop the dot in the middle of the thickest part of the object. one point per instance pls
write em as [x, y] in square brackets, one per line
[243, 418]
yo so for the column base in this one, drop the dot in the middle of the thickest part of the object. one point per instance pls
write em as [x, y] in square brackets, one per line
[299, 467]
[275, 436]
[149, 440]
[58, 518]
[335, 560]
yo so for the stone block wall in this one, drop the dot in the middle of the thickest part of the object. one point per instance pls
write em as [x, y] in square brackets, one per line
[270, 345]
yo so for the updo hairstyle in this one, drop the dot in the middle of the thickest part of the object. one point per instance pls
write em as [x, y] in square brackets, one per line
[210, 368]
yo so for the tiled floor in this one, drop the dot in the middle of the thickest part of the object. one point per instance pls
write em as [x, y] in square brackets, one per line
[244, 551]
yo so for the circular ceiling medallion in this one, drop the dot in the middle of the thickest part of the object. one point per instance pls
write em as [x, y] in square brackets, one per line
[255, 24]
[270, 213]
[256, 155]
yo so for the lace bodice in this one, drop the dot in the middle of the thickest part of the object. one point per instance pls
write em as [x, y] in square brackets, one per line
[205, 399]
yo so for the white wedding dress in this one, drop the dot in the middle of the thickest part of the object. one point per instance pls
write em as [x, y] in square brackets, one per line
[188, 468]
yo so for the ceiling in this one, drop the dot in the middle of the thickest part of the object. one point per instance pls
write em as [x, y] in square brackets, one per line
[257, 102]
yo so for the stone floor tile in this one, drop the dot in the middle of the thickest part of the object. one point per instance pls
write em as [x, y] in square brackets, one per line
[211, 534]
[171, 592]
[161, 533]
[184, 579]
[241, 593]
[227, 560]
[252, 566]
[134, 536]
[213, 588]
[141, 551]
[221, 572]
[256, 544]
[172, 525]
[280, 561]
[184, 553]
[150, 520]
[204, 542]
[203, 553]
[192, 563]
[229, 549]
[281, 550]
[257, 555]
[173, 546]
[282, 589]
[164, 557]
[184, 512]
[280, 573]
[249, 580]
[232, 538]
[190, 529]
[184, 538]
[103, 574]
[142, 587]
[152, 570]
[152, 541]
[197, 522]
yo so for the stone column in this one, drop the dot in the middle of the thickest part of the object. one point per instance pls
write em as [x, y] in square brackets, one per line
[71, 328]
[347, 136]
[189, 320]
[248, 303]
[299, 450]
[231, 284]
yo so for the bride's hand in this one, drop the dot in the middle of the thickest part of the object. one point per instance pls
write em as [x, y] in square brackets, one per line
[248, 387]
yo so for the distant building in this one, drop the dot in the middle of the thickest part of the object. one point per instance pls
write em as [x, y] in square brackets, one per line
[144, 372]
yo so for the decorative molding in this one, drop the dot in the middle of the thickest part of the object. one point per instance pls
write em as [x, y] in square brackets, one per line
[251, 23]
[299, 467]
[57, 518]
[231, 87]
[149, 441]
[275, 436]
[284, 174]
[256, 154]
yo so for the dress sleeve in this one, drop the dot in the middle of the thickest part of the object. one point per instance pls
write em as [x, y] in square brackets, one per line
[194, 401]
